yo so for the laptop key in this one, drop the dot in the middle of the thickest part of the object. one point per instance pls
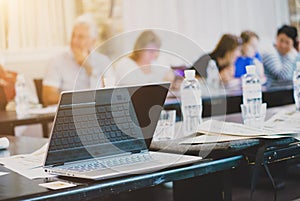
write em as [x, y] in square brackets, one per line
[101, 109]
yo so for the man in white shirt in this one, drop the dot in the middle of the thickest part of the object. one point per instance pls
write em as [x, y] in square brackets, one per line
[79, 67]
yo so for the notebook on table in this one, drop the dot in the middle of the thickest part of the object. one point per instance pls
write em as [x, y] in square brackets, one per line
[106, 133]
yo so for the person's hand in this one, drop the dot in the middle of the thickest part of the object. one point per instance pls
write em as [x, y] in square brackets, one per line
[80, 56]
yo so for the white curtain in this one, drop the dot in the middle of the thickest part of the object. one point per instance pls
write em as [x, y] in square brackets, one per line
[3, 25]
[34, 23]
[204, 21]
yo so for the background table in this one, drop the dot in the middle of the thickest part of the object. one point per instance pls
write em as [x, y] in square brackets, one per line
[9, 120]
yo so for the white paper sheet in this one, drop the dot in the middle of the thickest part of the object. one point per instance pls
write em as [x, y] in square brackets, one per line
[46, 110]
[201, 139]
[286, 120]
[283, 124]
[214, 127]
[3, 173]
[28, 165]
[55, 185]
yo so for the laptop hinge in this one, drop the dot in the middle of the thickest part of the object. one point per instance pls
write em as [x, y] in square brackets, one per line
[136, 151]
[58, 164]
[140, 151]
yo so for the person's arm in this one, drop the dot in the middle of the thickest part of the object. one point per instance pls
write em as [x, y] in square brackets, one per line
[102, 74]
[260, 70]
[81, 57]
[52, 82]
[227, 74]
[169, 76]
[276, 68]
[109, 78]
[50, 95]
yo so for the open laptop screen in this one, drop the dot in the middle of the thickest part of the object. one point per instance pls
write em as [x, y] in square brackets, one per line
[98, 123]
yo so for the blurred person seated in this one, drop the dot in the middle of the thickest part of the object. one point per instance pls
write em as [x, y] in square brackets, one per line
[7, 82]
[140, 67]
[279, 60]
[250, 56]
[224, 55]
[78, 68]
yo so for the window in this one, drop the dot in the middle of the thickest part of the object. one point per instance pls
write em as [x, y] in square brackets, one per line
[294, 9]
[28, 24]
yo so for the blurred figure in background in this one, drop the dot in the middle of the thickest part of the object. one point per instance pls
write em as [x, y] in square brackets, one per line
[7, 82]
[224, 56]
[279, 61]
[139, 67]
[78, 68]
[250, 56]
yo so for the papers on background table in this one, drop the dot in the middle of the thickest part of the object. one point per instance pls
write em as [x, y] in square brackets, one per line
[28, 165]
[214, 127]
[284, 120]
[213, 131]
[46, 110]
[201, 139]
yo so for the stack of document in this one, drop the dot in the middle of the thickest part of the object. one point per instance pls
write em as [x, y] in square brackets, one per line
[285, 119]
[28, 165]
[213, 131]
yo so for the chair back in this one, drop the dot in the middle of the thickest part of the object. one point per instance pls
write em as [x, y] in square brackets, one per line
[38, 83]
[3, 100]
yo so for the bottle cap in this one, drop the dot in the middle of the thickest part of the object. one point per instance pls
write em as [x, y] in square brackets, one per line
[298, 65]
[189, 74]
[251, 69]
[21, 77]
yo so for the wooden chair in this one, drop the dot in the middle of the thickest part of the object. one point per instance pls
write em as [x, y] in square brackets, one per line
[3, 99]
[38, 83]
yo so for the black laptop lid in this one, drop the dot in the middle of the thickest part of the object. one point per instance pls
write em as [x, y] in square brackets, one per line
[105, 122]
[148, 102]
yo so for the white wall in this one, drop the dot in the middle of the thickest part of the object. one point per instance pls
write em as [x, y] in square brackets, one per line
[30, 62]
[201, 21]
[204, 21]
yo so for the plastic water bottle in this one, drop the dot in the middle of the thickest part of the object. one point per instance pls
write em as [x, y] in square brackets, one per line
[252, 95]
[191, 102]
[21, 98]
[296, 81]
[212, 79]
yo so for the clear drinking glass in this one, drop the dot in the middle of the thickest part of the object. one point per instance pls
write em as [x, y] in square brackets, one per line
[254, 117]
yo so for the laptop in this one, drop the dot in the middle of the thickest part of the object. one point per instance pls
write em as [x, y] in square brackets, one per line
[106, 133]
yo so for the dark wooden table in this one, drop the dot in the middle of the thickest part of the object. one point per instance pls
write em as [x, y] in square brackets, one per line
[228, 101]
[258, 152]
[9, 120]
[16, 187]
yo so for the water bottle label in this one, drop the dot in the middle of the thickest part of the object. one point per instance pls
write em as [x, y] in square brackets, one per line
[191, 97]
[252, 91]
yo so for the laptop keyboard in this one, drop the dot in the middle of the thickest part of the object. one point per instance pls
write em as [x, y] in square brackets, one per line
[86, 126]
[108, 163]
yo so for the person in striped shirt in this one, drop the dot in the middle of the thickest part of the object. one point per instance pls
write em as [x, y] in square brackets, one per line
[279, 61]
